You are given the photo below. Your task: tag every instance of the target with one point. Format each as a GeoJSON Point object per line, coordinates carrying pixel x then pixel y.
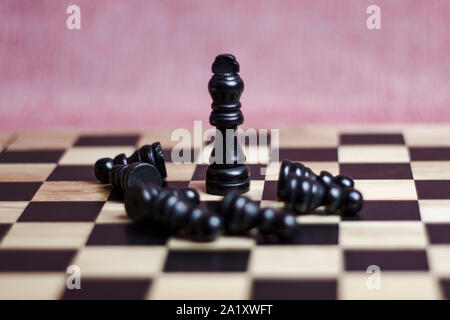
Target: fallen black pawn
{"type": "Point", "coordinates": [174, 210]}
{"type": "Point", "coordinates": [151, 154]}
{"type": "Point", "coordinates": [288, 168]}
{"type": "Point", "coordinates": [241, 214]}
{"type": "Point", "coordinates": [304, 194]}
{"type": "Point", "coordinates": [123, 176]}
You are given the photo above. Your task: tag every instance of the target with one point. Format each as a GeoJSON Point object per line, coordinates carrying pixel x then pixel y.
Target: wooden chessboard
{"type": "Point", "coordinates": [54, 214]}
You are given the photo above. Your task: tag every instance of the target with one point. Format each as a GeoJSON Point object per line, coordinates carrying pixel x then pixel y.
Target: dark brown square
{"type": "Point", "coordinates": [429, 154]}
{"type": "Point", "coordinates": [106, 140]}
{"type": "Point", "coordinates": [35, 260]}
{"type": "Point", "coordinates": [190, 158]}
{"type": "Point", "coordinates": [200, 172]}
{"type": "Point", "coordinates": [387, 260]}
{"type": "Point", "coordinates": [3, 230]}
{"type": "Point", "coordinates": [378, 210]}
{"type": "Point", "coordinates": [31, 156]}
{"type": "Point", "coordinates": [313, 154]}
{"type": "Point", "coordinates": [64, 211]}
{"type": "Point", "coordinates": [109, 289]}
{"type": "Point", "coordinates": [72, 173]}
{"type": "Point", "coordinates": [371, 138]}
{"type": "Point", "coordinates": [126, 234]}
{"type": "Point", "coordinates": [207, 261]}
{"type": "Point", "coordinates": [270, 191]}
{"type": "Point", "coordinates": [376, 170]}
{"type": "Point", "coordinates": [18, 191]}
{"type": "Point", "coordinates": [433, 189]}
{"type": "Point", "coordinates": [306, 234]}
{"type": "Point", "coordinates": [294, 289]}
{"type": "Point", "coordinates": [439, 233]}
{"type": "Point", "coordinates": [177, 184]}
{"type": "Point", "coordinates": [445, 285]}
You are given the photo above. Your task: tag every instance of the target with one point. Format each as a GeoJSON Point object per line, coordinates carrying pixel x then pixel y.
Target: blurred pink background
{"type": "Point", "coordinates": [146, 64]}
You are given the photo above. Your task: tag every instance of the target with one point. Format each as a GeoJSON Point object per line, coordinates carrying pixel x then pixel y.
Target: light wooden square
{"type": "Point", "coordinates": [121, 261]}
{"type": "Point", "coordinates": [428, 136]}
{"type": "Point", "coordinates": [179, 172]}
{"type": "Point", "coordinates": [32, 286]}
{"type": "Point", "coordinates": [44, 140]}
{"type": "Point", "coordinates": [26, 171]}
{"type": "Point", "coordinates": [298, 261]}
{"type": "Point", "coordinates": [374, 234]}
{"type": "Point", "coordinates": [435, 210]}
{"type": "Point", "coordinates": [113, 212]}
{"type": "Point", "coordinates": [47, 235]}
{"type": "Point", "coordinates": [72, 191]}
{"type": "Point", "coordinates": [387, 189]}
{"type": "Point", "coordinates": [394, 285]}
{"type": "Point", "coordinates": [10, 211]}
{"type": "Point", "coordinates": [195, 286]}
{"type": "Point", "coordinates": [89, 155]}
{"type": "Point", "coordinates": [272, 204]}
{"type": "Point", "coordinates": [373, 154]}
{"type": "Point", "coordinates": [431, 170]}
{"type": "Point", "coordinates": [439, 259]}
{"type": "Point", "coordinates": [318, 219]}
{"type": "Point", "coordinates": [308, 138]}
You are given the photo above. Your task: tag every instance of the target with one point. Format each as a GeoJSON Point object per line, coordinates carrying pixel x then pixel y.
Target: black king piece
{"type": "Point", "coordinates": [227, 170]}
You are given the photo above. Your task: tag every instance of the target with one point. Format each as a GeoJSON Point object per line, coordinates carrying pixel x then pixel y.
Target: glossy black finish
{"type": "Point", "coordinates": [241, 214]}
{"type": "Point", "coordinates": [123, 176]}
{"type": "Point", "coordinates": [173, 210]}
{"type": "Point", "coordinates": [229, 171]}
{"type": "Point", "coordinates": [304, 194]}
{"type": "Point", "coordinates": [298, 169]}
{"type": "Point", "coordinates": [151, 154]}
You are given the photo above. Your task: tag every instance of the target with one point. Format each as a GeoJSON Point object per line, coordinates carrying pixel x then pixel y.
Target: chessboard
{"type": "Point", "coordinates": [54, 214]}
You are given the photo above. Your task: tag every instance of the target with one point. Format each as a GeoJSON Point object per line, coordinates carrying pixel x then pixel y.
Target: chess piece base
{"type": "Point", "coordinates": [221, 179]}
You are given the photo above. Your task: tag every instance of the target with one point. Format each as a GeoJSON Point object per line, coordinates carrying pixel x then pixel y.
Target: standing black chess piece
{"type": "Point", "coordinates": [241, 214]}
{"type": "Point", "coordinates": [148, 153]}
{"type": "Point", "coordinates": [304, 194]}
{"type": "Point", "coordinates": [173, 210]}
{"type": "Point", "coordinates": [227, 170]}
{"type": "Point", "coordinates": [123, 176]}
{"type": "Point", "coordinates": [288, 168]}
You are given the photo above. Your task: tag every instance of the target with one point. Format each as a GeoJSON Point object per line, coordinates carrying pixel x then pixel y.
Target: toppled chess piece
{"type": "Point", "coordinates": [174, 210]}
{"type": "Point", "coordinates": [288, 168]}
{"type": "Point", "coordinates": [241, 214]}
{"type": "Point", "coordinates": [305, 194]}
{"type": "Point", "coordinates": [123, 176]}
{"type": "Point", "coordinates": [151, 154]}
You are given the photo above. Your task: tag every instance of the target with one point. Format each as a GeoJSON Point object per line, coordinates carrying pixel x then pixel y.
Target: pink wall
{"type": "Point", "coordinates": [147, 63]}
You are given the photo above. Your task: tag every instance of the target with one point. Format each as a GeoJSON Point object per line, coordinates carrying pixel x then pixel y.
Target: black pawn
{"type": "Point", "coordinates": [175, 211]}
{"type": "Point", "coordinates": [241, 214]}
{"type": "Point", "coordinates": [227, 170]}
{"type": "Point", "coordinates": [123, 176]}
{"type": "Point", "coordinates": [151, 154]}
{"type": "Point", "coordinates": [289, 168]}
{"type": "Point", "coordinates": [304, 194]}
